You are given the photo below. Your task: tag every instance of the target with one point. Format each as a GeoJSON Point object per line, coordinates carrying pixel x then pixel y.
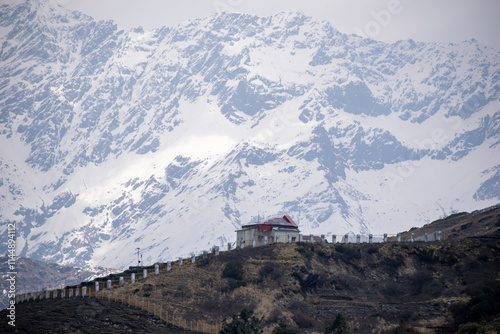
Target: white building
{"type": "Point", "coordinates": [271, 231]}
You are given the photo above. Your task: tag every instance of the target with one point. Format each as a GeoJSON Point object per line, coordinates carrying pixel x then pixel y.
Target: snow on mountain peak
{"type": "Point", "coordinates": [172, 138]}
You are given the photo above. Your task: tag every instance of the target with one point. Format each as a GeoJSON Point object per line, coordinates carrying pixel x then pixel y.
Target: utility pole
{"type": "Point", "coordinates": [138, 261]}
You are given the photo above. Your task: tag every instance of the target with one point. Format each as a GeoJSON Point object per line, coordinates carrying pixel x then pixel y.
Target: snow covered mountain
{"type": "Point", "coordinates": [170, 139]}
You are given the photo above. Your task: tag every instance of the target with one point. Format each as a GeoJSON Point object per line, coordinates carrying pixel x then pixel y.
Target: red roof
{"type": "Point", "coordinates": [285, 222]}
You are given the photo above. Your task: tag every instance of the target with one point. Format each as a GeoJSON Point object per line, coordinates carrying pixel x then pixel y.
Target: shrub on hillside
{"type": "Point", "coordinates": [234, 270]}
{"type": "Point", "coordinates": [244, 323]}
{"type": "Point", "coordinates": [338, 326]}
{"type": "Point", "coordinates": [284, 329]}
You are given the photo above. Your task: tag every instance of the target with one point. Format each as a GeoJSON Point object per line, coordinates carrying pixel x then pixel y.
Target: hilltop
{"type": "Point", "coordinates": [379, 288]}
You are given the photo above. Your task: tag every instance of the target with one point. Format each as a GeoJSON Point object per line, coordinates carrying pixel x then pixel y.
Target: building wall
{"type": "Point", "coordinates": [253, 233]}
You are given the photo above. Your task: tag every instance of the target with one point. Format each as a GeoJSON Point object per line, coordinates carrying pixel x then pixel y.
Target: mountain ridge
{"type": "Point", "coordinates": [172, 138]}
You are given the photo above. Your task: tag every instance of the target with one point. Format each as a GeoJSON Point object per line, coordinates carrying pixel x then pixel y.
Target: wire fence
{"type": "Point", "coordinates": [145, 304]}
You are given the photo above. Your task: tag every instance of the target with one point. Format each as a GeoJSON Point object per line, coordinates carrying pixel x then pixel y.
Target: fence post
{"type": "Point", "coordinates": [216, 248]}
{"type": "Point", "coordinates": [265, 240]}
{"type": "Point", "coordinates": [120, 282]}
{"type": "Point", "coordinates": [157, 269]}
{"type": "Point", "coordinates": [96, 287]}
{"type": "Point", "coordinates": [193, 258]}
{"type": "Point", "coordinates": [132, 278]}
{"type": "Point", "coordinates": [228, 246]}
{"type": "Point", "coordinates": [426, 237]}
{"type": "Point", "coordinates": [334, 238]}
{"type": "Point", "coordinates": [412, 237]}
{"type": "Point", "coordinates": [109, 284]}
{"type": "Point", "coordinates": [439, 235]}
{"type": "Point", "coordinates": [385, 237]}
{"type": "Point", "coordinates": [169, 266]}
{"type": "Point", "coordinates": [398, 237]}
{"type": "Point", "coordinates": [311, 238]}
{"type": "Point", "coordinates": [144, 273]}
{"type": "Point", "coordinates": [370, 238]}
{"type": "Point", "coordinates": [358, 238]}
{"type": "Point", "coordinates": [180, 262]}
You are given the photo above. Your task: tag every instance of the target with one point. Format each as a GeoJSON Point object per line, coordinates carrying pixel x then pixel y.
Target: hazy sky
{"type": "Point", "coordinates": [386, 20]}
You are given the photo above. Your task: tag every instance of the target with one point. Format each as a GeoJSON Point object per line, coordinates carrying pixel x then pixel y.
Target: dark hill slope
{"type": "Point", "coordinates": [480, 223]}
{"type": "Point", "coordinates": [77, 315]}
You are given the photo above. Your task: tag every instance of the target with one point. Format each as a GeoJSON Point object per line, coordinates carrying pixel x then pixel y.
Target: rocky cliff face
{"type": "Point", "coordinates": [170, 139]}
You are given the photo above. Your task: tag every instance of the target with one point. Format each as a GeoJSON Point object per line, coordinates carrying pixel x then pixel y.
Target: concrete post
{"type": "Point", "coordinates": [289, 238]}
{"type": "Point", "coordinates": [398, 237]}
{"type": "Point", "coordinates": [97, 286]}
{"type": "Point", "coordinates": [412, 237]}
{"type": "Point", "coordinates": [180, 262]}
{"type": "Point", "coordinates": [54, 294]}
{"type": "Point", "coordinates": [334, 238]}
{"type": "Point", "coordinates": [426, 237]}
{"type": "Point", "coordinates": [77, 292]}
{"type": "Point", "coordinates": [70, 293]}
{"type": "Point", "coordinates": [22, 298]}
{"type": "Point", "coordinates": [358, 238]}
{"type": "Point", "coordinates": [40, 296]}
{"type": "Point", "coordinates": [169, 265]}
{"type": "Point", "coordinates": [84, 291]}
{"type": "Point", "coordinates": [385, 237]}
{"type": "Point", "coordinates": [323, 238]}
{"type": "Point", "coordinates": [254, 243]}
{"type": "Point", "coordinates": [311, 238]}
{"type": "Point", "coordinates": [63, 293]}
{"type": "Point", "coordinates": [346, 238]}
{"type": "Point", "coordinates": [370, 238]}
{"type": "Point", "coordinates": [265, 240]}
{"type": "Point", "coordinates": [277, 239]}
{"type": "Point", "coordinates": [228, 246]}
{"type": "Point", "coordinates": [120, 282]}
{"type": "Point", "coordinates": [205, 254]}
{"type": "Point", "coordinates": [216, 249]}
{"type": "Point", "coordinates": [144, 273]}
{"type": "Point", "coordinates": [193, 258]}
{"type": "Point", "coordinates": [109, 284]}
{"type": "Point", "coordinates": [439, 235]}
{"type": "Point", "coordinates": [157, 269]}
{"type": "Point", "coordinates": [132, 277]}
